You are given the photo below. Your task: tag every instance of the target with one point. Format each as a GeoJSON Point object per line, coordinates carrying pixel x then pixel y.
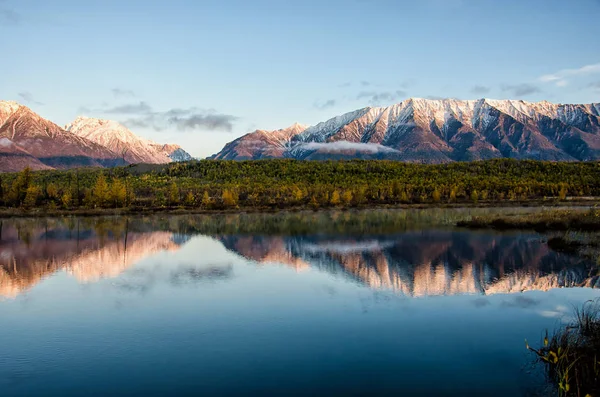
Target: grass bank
{"type": "Point", "coordinates": [545, 221]}
{"type": "Point", "coordinates": [571, 356]}
{"type": "Point", "coordinates": [49, 211]}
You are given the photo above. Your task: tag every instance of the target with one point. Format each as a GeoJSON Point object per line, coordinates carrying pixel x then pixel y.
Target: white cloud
{"type": "Point", "coordinates": [340, 146]}
{"type": "Point", "coordinates": [560, 78]}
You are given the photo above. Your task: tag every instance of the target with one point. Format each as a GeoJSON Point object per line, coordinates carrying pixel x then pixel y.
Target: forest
{"type": "Point", "coordinates": [286, 184]}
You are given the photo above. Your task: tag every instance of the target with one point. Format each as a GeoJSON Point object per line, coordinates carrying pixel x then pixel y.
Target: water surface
{"type": "Point", "coordinates": [369, 303]}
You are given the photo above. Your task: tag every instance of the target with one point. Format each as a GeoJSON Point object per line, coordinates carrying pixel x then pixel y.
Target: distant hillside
{"type": "Point", "coordinates": [436, 131]}
{"type": "Point", "coordinates": [27, 139]}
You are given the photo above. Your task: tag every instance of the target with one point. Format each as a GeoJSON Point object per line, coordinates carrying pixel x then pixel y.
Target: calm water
{"type": "Point", "coordinates": [378, 303]}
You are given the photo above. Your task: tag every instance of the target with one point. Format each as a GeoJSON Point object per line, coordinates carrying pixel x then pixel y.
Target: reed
{"type": "Point", "coordinates": [571, 356]}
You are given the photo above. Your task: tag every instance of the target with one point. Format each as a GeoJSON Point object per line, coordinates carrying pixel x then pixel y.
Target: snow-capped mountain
{"type": "Point", "coordinates": [261, 144]}
{"type": "Point", "coordinates": [42, 144]}
{"type": "Point", "coordinates": [174, 152]}
{"type": "Point", "coordinates": [438, 131]}
{"type": "Point", "coordinates": [27, 139]}
{"type": "Point", "coordinates": [122, 141]}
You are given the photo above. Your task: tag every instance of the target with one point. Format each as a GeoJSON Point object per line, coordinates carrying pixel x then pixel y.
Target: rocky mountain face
{"type": "Point", "coordinates": [261, 144]}
{"type": "Point", "coordinates": [174, 152]}
{"type": "Point", "coordinates": [45, 141]}
{"type": "Point", "coordinates": [437, 131]}
{"type": "Point", "coordinates": [125, 143]}
{"type": "Point", "coordinates": [27, 139]}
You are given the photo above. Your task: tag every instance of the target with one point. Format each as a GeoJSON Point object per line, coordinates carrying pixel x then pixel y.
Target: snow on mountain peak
{"type": "Point", "coordinates": [438, 130]}
{"type": "Point", "coordinates": [7, 108]}
{"type": "Point", "coordinates": [121, 140]}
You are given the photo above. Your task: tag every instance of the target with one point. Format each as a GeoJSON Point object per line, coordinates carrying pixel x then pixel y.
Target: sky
{"type": "Point", "coordinates": [201, 73]}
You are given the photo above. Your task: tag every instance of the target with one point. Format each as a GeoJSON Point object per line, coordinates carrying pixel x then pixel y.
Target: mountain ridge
{"type": "Point", "coordinates": [439, 131]}
{"type": "Point", "coordinates": [123, 141]}
{"type": "Point", "coordinates": [28, 139]}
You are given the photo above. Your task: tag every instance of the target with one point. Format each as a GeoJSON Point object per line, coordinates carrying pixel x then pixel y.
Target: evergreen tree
{"type": "Point", "coordinates": [19, 187]}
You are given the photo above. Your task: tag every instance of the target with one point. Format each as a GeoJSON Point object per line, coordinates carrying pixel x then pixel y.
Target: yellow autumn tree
{"type": "Point", "coordinates": [52, 191]}
{"type": "Point", "coordinates": [206, 200]}
{"type": "Point", "coordinates": [190, 200]}
{"type": "Point", "coordinates": [347, 197]}
{"type": "Point", "coordinates": [436, 196]}
{"type": "Point", "coordinates": [335, 198]}
{"type": "Point", "coordinates": [173, 194]}
{"type": "Point", "coordinates": [297, 193]}
{"type": "Point", "coordinates": [229, 198]}
{"type": "Point", "coordinates": [118, 193]}
{"type": "Point", "coordinates": [31, 196]}
{"type": "Point", "coordinates": [66, 199]}
{"type": "Point", "coordinates": [100, 192]}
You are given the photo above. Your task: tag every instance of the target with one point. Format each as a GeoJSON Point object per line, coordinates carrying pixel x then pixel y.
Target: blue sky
{"type": "Point", "coordinates": [201, 73]}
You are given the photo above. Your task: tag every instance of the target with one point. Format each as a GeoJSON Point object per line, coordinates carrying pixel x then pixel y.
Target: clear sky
{"type": "Point", "coordinates": [201, 73]}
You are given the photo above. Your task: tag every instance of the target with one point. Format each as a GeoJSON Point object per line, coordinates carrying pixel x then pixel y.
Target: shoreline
{"type": "Point", "coordinates": [8, 213]}
{"type": "Point", "coordinates": [555, 220]}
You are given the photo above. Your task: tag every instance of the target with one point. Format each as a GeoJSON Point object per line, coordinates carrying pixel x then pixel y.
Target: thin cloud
{"type": "Point", "coordinates": [435, 97]}
{"type": "Point", "coordinates": [595, 85]}
{"type": "Point", "coordinates": [28, 97]}
{"type": "Point", "coordinates": [480, 90]}
{"type": "Point", "coordinates": [131, 108]}
{"type": "Point", "coordinates": [520, 90]}
{"type": "Point", "coordinates": [142, 115]}
{"type": "Point", "coordinates": [561, 77]}
{"type": "Point", "coordinates": [325, 105]}
{"type": "Point", "coordinates": [122, 93]}
{"type": "Point", "coordinates": [379, 97]}
{"type": "Point", "coordinates": [203, 121]}
{"type": "Point", "coordinates": [8, 14]}
{"type": "Point", "coordinates": [365, 83]}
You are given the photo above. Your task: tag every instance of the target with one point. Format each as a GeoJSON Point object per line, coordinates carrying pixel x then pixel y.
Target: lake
{"type": "Point", "coordinates": [342, 303]}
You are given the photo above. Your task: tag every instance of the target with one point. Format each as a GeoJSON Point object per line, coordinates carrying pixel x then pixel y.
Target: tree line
{"type": "Point", "coordinates": [215, 185]}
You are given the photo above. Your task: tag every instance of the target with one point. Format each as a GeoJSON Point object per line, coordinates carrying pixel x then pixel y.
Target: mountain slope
{"type": "Point", "coordinates": [14, 158]}
{"type": "Point", "coordinates": [122, 141]}
{"type": "Point", "coordinates": [47, 142]}
{"type": "Point", "coordinates": [438, 131]}
{"type": "Point", "coordinates": [119, 139]}
{"type": "Point", "coordinates": [174, 152]}
{"type": "Point", "coordinates": [260, 144]}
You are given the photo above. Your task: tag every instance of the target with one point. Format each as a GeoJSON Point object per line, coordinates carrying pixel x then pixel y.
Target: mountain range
{"type": "Point", "coordinates": [436, 131]}
{"type": "Point", "coordinates": [27, 139]}
{"type": "Point", "coordinates": [415, 130]}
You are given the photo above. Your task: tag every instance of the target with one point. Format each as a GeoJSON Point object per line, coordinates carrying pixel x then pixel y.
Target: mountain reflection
{"type": "Point", "coordinates": [413, 263]}
{"type": "Point", "coordinates": [31, 251]}
{"type": "Point", "coordinates": [427, 263]}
